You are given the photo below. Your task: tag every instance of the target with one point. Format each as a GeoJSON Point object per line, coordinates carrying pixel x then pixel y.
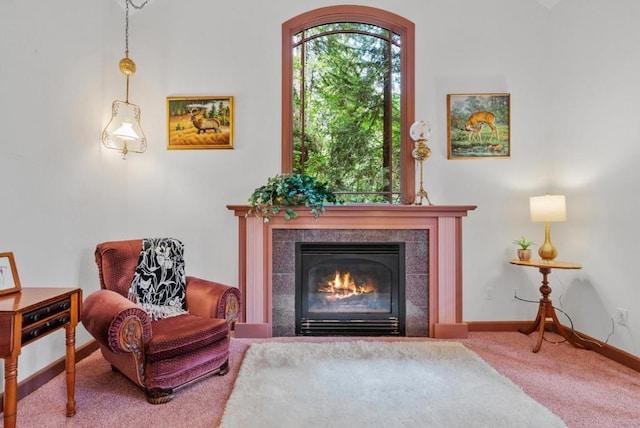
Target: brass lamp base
{"type": "Point", "coordinates": [421, 152]}
{"type": "Point", "coordinates": [422, 194]}
{"type": "Point", "coordinates": [547, 251]}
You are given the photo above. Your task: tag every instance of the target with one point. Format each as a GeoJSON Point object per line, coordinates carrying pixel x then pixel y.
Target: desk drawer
{"type": "Point", "coordinates": [45, 312]}
{"type": "Point", "coordinates": [38, 330]}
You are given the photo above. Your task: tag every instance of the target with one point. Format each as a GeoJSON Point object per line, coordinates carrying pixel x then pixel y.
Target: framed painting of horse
{"type": "Point", "coordinates": [478, 126]}
{"type": "Point", "coordinates": [200, 122]}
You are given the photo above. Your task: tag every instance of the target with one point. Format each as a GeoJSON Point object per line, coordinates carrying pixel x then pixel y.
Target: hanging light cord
{"type": "Point", "coordinates": [126, 30]}
{"type": "Point", "coordinates": [127, 66]}
{"type": "Point", "coordinates": [136, 6]}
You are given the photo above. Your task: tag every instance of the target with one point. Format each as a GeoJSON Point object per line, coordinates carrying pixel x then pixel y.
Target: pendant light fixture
{"type": "Point", "coordinates": [123, 132]}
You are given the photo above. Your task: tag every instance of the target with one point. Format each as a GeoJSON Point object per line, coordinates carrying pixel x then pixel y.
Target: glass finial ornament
{"type": "Point", "coordinates": [124, 132]}
{"type": "Point", "coordinates": [420, 132]}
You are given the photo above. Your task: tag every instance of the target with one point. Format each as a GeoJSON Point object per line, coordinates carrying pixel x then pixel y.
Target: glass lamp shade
{"type": "Point", "coordinates": [126, 132]}
{"type": "Point", "coordinates": [123, 132]}
{"type": "Point", "coordinates": [420, 130]}
{"type": "Point", "coordinates": [548, 208]}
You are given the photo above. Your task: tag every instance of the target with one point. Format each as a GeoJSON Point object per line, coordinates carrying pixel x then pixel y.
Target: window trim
{"type": "Point", "coordinates": [366, 15]}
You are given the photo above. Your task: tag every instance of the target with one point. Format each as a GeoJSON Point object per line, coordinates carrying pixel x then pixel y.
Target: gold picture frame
{"type": "Point", "coordinates": [478, 126]}
{"type": "Point", "coordinates": [200, 122]}
{"type": "Point", "coordinates": [9, 280]}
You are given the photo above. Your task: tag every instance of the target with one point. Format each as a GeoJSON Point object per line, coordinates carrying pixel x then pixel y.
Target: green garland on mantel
{"type": "Point", "coordinates": [290, 190]}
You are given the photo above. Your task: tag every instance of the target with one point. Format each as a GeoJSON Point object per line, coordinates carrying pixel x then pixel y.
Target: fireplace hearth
{"type": "Point", "coordinates": [350, 288]}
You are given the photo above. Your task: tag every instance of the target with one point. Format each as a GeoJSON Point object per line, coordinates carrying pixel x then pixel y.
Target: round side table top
{"type": "Point", "coordinates": [553, 264]}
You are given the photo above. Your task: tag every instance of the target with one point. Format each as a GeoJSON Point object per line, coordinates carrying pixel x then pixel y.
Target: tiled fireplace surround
{"type": "Point", "coordinates": [433, 239]}
{"type": "Point", "coordinates": [284, 281]}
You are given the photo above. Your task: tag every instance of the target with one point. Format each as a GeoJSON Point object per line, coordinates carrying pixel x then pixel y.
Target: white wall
{"type": "Point", "coordinates": [569, 69]}
{"type": "Point", "coordinates": [594, 146]}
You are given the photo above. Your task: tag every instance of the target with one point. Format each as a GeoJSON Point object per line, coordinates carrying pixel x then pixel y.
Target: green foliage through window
{"type": "Point", "coordinates": [346, 109]}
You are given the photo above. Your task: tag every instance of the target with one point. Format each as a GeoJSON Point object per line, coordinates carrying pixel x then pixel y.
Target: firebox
{"type": "Point", "coordinates": [354, 289]}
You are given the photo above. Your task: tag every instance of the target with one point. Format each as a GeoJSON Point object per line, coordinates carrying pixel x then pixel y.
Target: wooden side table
{"type": "Point", "coordinates": [26, 316]}
{"type": "Point", "coordinates": [546, 310]}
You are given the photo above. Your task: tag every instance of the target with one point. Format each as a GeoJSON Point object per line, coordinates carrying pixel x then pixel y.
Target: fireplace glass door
{"type": "Point", "coordinates": [350, 288]}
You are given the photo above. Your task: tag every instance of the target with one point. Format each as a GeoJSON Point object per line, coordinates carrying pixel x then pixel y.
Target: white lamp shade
{"type": "Point", "coordinates": [548, 208]}
{"type": "Point", "coordinates": [124, 130]}
{"type": "Point", "coordinates": [420, 130]}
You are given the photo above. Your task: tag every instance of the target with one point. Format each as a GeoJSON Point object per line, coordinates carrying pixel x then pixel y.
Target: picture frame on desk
{"type": "Point", "coordinates": [9, 280]}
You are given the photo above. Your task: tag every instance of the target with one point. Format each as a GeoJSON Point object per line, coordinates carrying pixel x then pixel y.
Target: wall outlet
{"type": "Point", "coordinates": [489, 295]}
{"type": "Point", "coordinates": [622, 316]}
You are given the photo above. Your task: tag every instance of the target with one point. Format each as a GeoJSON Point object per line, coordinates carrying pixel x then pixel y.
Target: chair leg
{"type": "Point", "coordinates": [224, 368]}
{"type": "Point", "coordinates": [159, 395]}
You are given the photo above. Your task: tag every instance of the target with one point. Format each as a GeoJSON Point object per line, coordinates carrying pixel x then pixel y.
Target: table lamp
{"type": "Point", "coordinates": [547, 209]}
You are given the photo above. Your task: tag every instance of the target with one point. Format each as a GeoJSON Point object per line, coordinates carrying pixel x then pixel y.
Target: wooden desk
{"type": "Point", "coordinates": [546, 310]}
{"type": "Point", "coordinates": [25, 317]}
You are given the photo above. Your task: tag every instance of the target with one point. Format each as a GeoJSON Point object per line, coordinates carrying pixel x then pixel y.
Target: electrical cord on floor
{"type": "Point", "coordinates": [573, 331]}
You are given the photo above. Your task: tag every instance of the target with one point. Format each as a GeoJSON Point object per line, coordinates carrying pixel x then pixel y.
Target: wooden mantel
{"type": "Point", "coordinates": [444, 225]}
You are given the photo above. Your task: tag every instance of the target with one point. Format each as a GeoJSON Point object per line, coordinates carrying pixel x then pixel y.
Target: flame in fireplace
{"type": "Point", "coordinates": [343, 286]}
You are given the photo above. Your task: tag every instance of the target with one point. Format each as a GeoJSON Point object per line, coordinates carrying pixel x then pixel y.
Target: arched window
{"type": "Point", "coordinates": [348, 101]}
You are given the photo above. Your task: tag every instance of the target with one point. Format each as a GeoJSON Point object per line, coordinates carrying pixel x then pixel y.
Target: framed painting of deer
{"type": "Point", "coordinates": [478, 126]}
{"type": "Point", "coordinates": [200, 122]}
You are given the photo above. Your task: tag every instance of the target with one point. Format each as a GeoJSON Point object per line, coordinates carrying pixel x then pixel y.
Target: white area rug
{"type": "Point", "coordinates": [376, 384]}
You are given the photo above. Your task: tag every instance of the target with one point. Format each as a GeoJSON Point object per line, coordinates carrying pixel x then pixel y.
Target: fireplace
{"type": "Point", "coordinates": [441, 286]}
{"type": "Point", "coordinates": [350, 288]}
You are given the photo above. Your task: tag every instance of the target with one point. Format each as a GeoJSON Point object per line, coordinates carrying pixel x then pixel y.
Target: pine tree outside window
{"type": "Point", "coordinates": [348, 102]}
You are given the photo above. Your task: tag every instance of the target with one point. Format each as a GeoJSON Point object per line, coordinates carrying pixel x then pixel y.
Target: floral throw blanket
{"type": "Point", "coordinates": [158, 284]}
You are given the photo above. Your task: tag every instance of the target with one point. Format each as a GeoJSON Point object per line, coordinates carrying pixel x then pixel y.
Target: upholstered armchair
{"type": "Point", "coordinates": [159, 351]}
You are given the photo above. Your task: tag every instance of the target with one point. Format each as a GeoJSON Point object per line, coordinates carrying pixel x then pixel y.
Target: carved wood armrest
{"type": "Point", "coordinates": [105, 312]}
{"type": "Point", "coordinates": [232, 310]}
{"type": "Point", "coordinates": [212, 299]}
{"type": "Point", "coordinates": [131, 339]}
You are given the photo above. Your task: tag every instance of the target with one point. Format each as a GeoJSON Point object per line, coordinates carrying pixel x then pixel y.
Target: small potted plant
{"type": "Point", "coordinates": [524, 253]}
{"type": "Point", "coordinates": [290, 190]}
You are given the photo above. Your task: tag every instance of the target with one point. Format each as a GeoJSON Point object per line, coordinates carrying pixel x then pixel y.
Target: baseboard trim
{"type": "Point", "coordinates": [497, 325]}
{"type": "Point", "coordinates": [593, 344]}
{"type": "Point", "coordinates": [43, 376]}
{"type": "Point", "coordinates": [252, 330]}
{"type": "Point", "coordinates": [450, 331]}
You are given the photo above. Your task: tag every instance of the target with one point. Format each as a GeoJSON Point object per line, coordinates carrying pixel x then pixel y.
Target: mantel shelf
{"type": "Point", "coordinates": [372, 209]}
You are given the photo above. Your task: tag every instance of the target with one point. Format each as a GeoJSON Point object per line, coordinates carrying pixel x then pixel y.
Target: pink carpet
{"type": "Point", "coordinates": [582, 387]}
